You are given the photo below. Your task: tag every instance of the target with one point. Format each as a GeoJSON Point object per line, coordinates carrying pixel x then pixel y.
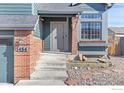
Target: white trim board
{"type": "Point", "coordinates": [119, 35]}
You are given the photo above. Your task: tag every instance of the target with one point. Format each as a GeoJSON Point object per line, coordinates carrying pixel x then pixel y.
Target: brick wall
{"type": "Point", "coordinates": [74, 35]}
{"type": "Point", "coordinates": [24, 61]}
{"type": "Point", "coordinates": [35, 50]}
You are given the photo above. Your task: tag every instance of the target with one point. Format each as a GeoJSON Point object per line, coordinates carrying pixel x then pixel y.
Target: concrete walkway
{"type": "Point", "coordinates": [50, 70]}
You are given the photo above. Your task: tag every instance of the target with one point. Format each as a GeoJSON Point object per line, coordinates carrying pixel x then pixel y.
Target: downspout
{"type": "Point", "coordinates": [78, 32]}
{"type": "Point", "coordinates": [36, 23]}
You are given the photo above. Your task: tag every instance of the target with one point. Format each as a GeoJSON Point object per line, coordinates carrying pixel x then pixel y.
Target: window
{"type": "Point", "coordinates": [91, 30]}
{"type": "Point", "coordinates": [91, 16]}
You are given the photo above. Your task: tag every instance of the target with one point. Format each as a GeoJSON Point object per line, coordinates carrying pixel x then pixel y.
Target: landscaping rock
{"type": "Point", "coordinates": [86, 76]}
{"type": "Point", "coordinates": [80, 57]}
{"type": "Point", "coordinates": [103, 76]}
{"type": "Point", "coordinates": [113, 75]}
{"type": "Point", "coordinates": [71, 82]}
{"type": "Point", "coordinates": [84, 58]}
{"type": "Point", "coordinates": [71, 57]}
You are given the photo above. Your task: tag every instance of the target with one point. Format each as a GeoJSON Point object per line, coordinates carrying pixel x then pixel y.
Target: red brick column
{"type": "Point", "coordinates": [25, 61]}
{"type": "Point", "coordinates": [21, 58]}
{"type": "Point", "coordinates": [35, 50]}
{"type": "Point", "coordinates": [74, 35]}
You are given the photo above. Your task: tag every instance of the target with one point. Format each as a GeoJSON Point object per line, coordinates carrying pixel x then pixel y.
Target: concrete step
{"type": "Point", "coordinates": [50, 75]}
{"type": "Point", "coordinates": [49, 78]}
{"type": "Point", "coordinates": [50, 61]}
{"type": "Point", "coordinates": [43, 65]}
{"type": "Point", "coordinates": [52, 69]}
{"type": "Point", "coordinates": [50, 65]}
{"type": "Point", "coordinates": [6, 84]}
{"type": "Point", "coordinates": [54, 54]}
{"type": "Point", "coordinates": [52, 58]}
{"type": "Point", "coordinates": [39, 82]}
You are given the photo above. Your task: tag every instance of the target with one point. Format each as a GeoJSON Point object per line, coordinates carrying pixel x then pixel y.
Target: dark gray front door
{"type": "Point", "coordinates": [58, 36]}
{"type": "Point", "coordinates": [6, 60]}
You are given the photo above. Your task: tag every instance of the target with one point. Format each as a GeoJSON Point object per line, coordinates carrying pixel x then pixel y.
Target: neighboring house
{"type": "Point", "coordinates": [116, 39]}
{"type": "Point", "coordinates": [28, 29]}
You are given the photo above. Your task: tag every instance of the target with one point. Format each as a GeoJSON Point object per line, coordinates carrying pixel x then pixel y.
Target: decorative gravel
{"type": "Point", "coordinates": [97, 76]}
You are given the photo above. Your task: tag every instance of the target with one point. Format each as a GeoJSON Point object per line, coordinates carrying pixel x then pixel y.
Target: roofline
{"type": "Point", "coordinates": [115, 32]}
{"type": "Point", "coordinates": [16, 28]}
{"type": "Point", "coordinates": [58, 12]}
{"type": "Point", "coordinates": [109, 5]}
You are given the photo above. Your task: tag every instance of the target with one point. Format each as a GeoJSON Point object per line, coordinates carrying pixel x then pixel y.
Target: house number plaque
{"type": "Point", "coordinates": [21, 45]}
{"type": "Point", "coordinates": [21, 49]}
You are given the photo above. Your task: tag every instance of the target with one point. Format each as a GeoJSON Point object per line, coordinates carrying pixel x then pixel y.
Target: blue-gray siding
{"type": "Point", "coordinates": [91, 48]}
{"type": "Point", "coordinates": [38, 30]}
{"type": "Point", "coordinates": [6, 57]}
{"type": "Point", "coordinates": [15, 9]}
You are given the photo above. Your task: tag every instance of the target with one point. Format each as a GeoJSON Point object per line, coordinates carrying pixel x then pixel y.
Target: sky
{"type": "Point", "coordinates": [116, 15]}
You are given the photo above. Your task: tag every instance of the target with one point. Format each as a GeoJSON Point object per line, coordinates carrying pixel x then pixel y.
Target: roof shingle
{"type": "Point", "coordinates": [117, 30]}
{"type": "Point", "coordinates": [17, 21]}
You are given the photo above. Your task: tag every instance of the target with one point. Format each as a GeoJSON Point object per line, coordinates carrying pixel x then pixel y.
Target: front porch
{"type": "Point", "coordinates": [62, 33]}
{"type": "Point", "coordinates": [58, 33]}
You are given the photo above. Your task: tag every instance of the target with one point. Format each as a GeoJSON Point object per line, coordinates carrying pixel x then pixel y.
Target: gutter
{"type": "Point", "coordinates": [109, 5]}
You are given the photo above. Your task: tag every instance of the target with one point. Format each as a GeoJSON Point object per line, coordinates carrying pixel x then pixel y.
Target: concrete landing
{"type": "Point", "coordinates": [40, 82]}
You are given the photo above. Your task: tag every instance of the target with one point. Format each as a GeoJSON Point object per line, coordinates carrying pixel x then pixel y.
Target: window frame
{"type": "Point", "coordinates": [96, 16]}
{"type": "Point", "coordinates": [90, 21]}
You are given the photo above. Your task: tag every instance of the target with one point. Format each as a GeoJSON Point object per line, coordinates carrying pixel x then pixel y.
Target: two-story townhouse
{"type": "Point", "coordinates": [28, 29]}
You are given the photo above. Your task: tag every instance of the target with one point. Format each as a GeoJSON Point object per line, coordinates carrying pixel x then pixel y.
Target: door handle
{"type": "Point", "coordinates": [55, 37]}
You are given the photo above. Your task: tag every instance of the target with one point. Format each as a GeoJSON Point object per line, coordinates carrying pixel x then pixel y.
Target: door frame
{"type": "Point", "coordinates": [67, 43]}
{"type": "Point", "coordinates": [9, 76]}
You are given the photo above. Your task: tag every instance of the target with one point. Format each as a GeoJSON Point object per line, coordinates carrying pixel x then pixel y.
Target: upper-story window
{"type": "Point", "coordinates": [91, 30]}
{"type": "Point", "coordinates": [91, 16]}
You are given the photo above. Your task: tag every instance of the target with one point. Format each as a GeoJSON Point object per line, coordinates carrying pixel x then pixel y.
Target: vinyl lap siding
{"type": "Point", "coordinates": [46, 35]}
{"type": "Point", "coordinates": [35, 8]}
{"type": "Point", "coordinates": [38, 30]}
{"type": "Point", "coordinates": [15, 9]}
{"type": "Point", "coordinates": [92, 48]}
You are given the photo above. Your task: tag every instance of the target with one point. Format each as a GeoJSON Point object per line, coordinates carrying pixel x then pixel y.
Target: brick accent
{"type": "Point", "coordinates": [35, 50]}
{"type": "Point", "coordinates": [74, 35]}
{"type": "Point", "coordinates": [24, 62]}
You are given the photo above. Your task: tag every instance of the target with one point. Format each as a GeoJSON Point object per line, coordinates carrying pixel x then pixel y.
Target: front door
{"type": "Point", "coordinates": [6, 60]}
{"type": "Point", "coordinates": [59, 36]}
